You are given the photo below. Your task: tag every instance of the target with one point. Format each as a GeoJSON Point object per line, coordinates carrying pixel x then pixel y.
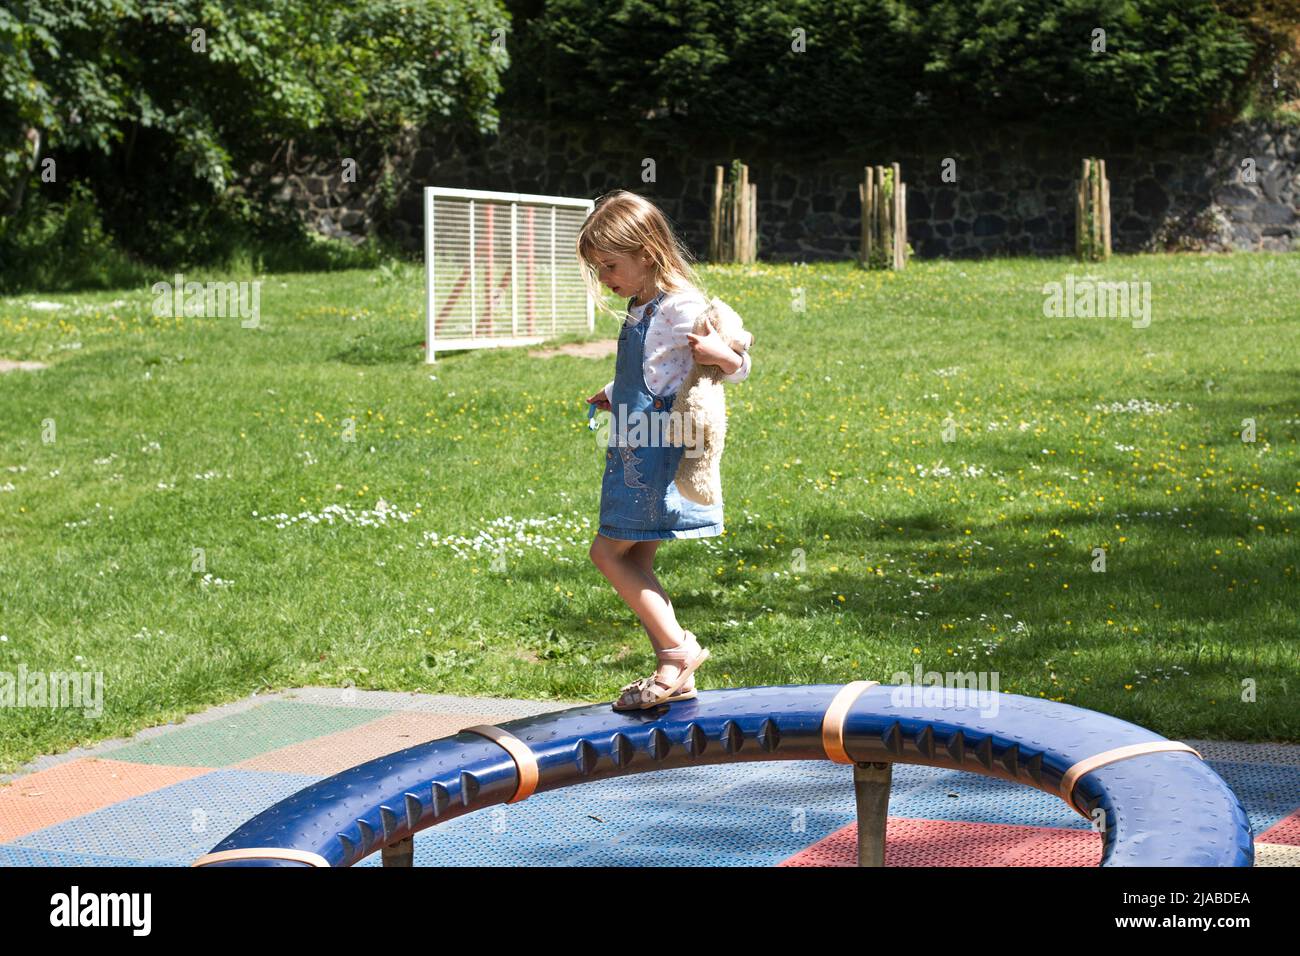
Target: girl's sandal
{"type": "Point", "coordinates": [653, 691]}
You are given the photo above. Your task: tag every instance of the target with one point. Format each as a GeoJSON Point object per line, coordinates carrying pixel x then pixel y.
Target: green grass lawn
{"type": "Point", "coordinates": [859, 542]}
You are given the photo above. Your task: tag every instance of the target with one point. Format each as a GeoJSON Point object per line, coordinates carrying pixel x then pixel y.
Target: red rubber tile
{"type": "Point", "coordinates": [1286, 831]}
{"type": "Point", "coordinates": [910, 842]}
{"type": "Point", "coordinates": [68, 790]}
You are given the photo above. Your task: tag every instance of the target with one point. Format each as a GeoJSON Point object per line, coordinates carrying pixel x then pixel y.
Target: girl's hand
{"type": "Point", "coordinates": [711, 349]}
{"type": "Point", "coordinates": [600, 400]}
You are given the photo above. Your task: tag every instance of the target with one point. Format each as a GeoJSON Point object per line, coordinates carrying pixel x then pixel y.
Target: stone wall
{"type": "Point", "coordinates": [1014, 192]}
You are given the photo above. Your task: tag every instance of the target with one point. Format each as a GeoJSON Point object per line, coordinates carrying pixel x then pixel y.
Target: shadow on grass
{"type": "Point", "coordinates": [1195, 603]}
{"type": "Point", "coordinates": [382, 348]}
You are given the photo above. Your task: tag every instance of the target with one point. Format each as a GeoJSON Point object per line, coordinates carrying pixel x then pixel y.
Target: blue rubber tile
{"type": "Point", "coordinates": [182, 821]}
{"type": "Point", "coordinates": [1268, 792]}
{"type": "Point", "coordinates": [682, 783]}
{"type": "Point", "coordinates": [431, 850]}
{"type": "Point", "coordinates": [556, 817]}
{"type": "Point", "coordinates": [817, 783]}
{"type": "Point", "coordinates": [794, 783]}
{"type": "Point", "coordinates": [537, 832]}
{"type": "Point", "coordinates": [645, 856]}
{"type": "Point", "coordinates": [570, 818]}
{"type": "Point", "coordinates": [436, 853]}
{"type": "Point", "coordinates": [563, 832]}
{"type": "Point", "coordinates": [777, 832]}
{"type": "Point", "coordinates": [24, 856]}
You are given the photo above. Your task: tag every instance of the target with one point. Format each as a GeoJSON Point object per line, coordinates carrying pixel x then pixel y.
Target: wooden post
{"type": "Point", "coordinates": [1092, 212]}
{"type": "Point", "coordinates": [1094, 218]}
{"type": "Point", "coordinates": [1105, 212]}
{"type": "Point", "coordinates": [862, 231]}
{"type": "Point", "coordinates": [753, 222]}
{"type": "Point", "coordinates": [732, 219]}
{"type": "Point", "coordinates": [715, 246]}
{"type": "Point", "coordinates": [742, 219]}
{"type": "Point", "coordinates": [895, 213]}
{"type": "Point", "coordinates": [733, 233]}
{"type": "Point", "coordinates": [869, 216]}
{"type": "Point", "coordinates": [1081, 213]}
{"type": "Point", "coordinates": [729, 224]}
{"type": "Point", "coordinates": [900, 243]}
{"type": "Point", "coordinates": [887, 217]}
{"type": "Point", "coordinates": [883, 195]}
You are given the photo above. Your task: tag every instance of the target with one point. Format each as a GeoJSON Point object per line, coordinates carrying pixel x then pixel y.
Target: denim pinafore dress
{"type": "Point", "coordinates": [638, 497]}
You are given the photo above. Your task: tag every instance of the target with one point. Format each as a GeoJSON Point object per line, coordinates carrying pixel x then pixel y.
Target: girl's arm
{"type": "Point", "coordinates": [742, 373]}
{"type": "Point", "coordinates": [668, 354]}
{"type": "Point", "coordinates": [715, 351]}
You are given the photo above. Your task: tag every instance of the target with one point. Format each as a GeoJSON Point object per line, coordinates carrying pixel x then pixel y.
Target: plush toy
{"type": "Point", "coordinates": [701, 425]}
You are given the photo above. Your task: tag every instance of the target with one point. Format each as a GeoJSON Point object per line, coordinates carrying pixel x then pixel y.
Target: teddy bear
{"type": "Point", "coordinates": [699, 416]}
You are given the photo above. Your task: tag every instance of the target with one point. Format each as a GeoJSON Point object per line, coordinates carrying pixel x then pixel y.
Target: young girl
{"type": "Point", "coordinates": [627, 242]}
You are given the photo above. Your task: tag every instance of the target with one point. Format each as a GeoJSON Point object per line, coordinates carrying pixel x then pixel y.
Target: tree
{"type": "Point", "coordinates": [192, 90]}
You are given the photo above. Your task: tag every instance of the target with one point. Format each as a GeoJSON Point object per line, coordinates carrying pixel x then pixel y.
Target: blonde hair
{"type": "Point", "coordinates": [624, 223]}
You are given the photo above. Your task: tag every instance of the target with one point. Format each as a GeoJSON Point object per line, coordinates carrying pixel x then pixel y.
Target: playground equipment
{"type": "Point", "coordinates": [486, 251]}
{"type": "Point", "coordinates": [1155, 801]}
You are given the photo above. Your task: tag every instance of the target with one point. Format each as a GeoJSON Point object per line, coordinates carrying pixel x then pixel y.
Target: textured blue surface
{"type": "Point", "coordinates": [1161, 809]}
{"type": "Point", "coordinates": [560, 835]}
{"type": "Point", "coordinates": [161, 825]}
{"type": "Point", "coordinates": [11, 855]}
{"type": "Point", "coordinates": [1269, 792]}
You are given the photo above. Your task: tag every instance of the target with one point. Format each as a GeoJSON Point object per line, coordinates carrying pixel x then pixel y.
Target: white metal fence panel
{"type": "Point", "coordinates": [501, 268]}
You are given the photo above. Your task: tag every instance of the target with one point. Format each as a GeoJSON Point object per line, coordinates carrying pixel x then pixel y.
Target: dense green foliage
{"type": "Point", "coordinates": [160, 106]}
{"type": "Point", "coordinates": [729, 66]}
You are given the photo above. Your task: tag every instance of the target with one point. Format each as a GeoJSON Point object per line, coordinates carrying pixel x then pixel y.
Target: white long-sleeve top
{"type": "Point", "coordinates": [668, 358]}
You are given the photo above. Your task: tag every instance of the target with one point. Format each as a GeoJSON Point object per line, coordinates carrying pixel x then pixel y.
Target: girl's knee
{"type": "Point", "coordinates": [601, 551]}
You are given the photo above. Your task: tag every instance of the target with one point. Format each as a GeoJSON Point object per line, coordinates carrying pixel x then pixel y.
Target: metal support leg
{"type": "Point", "coordinates": [401, 853]}
{"type": "Point", "coordinates": [871, 793]}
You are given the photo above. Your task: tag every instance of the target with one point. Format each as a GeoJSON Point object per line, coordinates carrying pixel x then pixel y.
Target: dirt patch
{"type": "Point", "coordinates": [8, 365]}
{"type": "Point", "coordinates": [602, 348]}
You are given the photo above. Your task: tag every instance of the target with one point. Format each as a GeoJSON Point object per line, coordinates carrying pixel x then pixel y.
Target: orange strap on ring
{"type": "Point", "coordinates": [263, 853]}
{"type": "Point", "coordinates": [525, 760]}
{"type": "Point", "coordinates": [833, 722]}
{"type": "Point", "coordinates": [1089, 764]}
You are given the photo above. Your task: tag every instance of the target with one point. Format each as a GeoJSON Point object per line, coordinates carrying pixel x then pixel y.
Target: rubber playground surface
{"type": "Point", "coordinates": [168, 795]}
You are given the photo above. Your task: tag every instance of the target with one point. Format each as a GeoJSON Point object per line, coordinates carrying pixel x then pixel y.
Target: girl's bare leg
{"type": "Point", "coordinates": [643, 553]}
{"type": "Point", "coordinates": [629, 566]}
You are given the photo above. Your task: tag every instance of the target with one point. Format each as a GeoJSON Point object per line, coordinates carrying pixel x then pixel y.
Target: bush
{"type": "Point", "coordinates": [61, 246]}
